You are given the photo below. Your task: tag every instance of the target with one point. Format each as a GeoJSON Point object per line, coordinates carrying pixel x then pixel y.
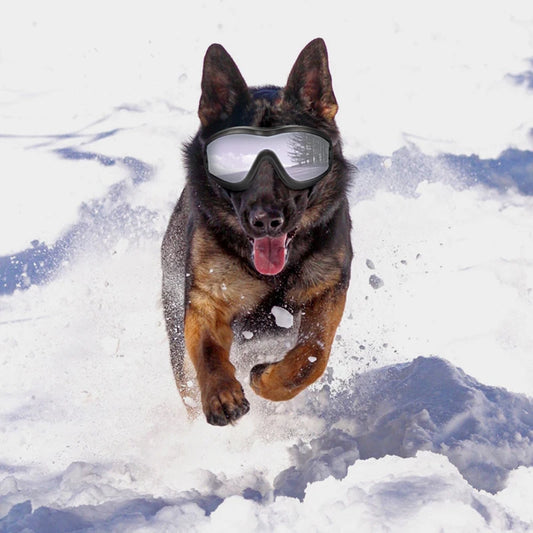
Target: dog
{"type": "Point", "coordinates": [236, 247]}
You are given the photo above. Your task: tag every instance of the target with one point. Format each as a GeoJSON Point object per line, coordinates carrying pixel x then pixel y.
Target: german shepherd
{"type": "Point", "coordinates": [214, 246]}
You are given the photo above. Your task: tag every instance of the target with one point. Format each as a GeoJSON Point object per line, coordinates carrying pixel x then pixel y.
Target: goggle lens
{"type": "Point", "coordinates": [304, 155]}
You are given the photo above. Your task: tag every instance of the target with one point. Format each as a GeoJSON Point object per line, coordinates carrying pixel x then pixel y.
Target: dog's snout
{"type": "Point", "coordinates": [266, 222]}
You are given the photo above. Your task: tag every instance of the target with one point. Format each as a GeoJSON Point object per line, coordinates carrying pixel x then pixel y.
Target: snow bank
{"type": "Point", "coordinates": [384, 496]}
{"type": "Point", "coordinates": [415, 410]}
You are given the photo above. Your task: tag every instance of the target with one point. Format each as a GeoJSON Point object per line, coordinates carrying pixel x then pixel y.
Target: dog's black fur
{"type": "Point", "coordinates": [211, 230]}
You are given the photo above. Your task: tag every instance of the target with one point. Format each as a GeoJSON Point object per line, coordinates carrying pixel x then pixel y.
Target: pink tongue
{"type": "Point", "coordinates": [270, 255]}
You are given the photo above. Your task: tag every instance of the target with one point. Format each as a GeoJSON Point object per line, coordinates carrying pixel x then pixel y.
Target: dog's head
{"type": "Point", "coordinates": [267, 215]}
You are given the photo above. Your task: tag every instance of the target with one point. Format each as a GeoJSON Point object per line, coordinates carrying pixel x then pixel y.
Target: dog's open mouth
{"type": "Point", "coordinates": [270, 253]}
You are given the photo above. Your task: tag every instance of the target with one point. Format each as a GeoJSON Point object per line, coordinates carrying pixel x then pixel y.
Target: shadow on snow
{"type": "Point", "coordinates": [97, 218]}
{"type": "Point", "coordinates": [524, 78]}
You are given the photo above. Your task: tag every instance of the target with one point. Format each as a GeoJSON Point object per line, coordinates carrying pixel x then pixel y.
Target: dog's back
{"type": "Point", "coordinates": [174, 259]}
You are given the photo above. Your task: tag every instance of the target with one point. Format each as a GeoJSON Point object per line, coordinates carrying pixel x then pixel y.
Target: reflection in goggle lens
{"type": "Point", "coordinates": [303, 155]}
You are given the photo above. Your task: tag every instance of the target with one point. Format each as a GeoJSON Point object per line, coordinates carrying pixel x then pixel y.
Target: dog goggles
{"type": "Point", "coordinates": [300, 155]}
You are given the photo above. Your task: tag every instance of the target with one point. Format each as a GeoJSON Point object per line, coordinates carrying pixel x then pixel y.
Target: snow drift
{"type": "Point", "coordinates": [427, 405]}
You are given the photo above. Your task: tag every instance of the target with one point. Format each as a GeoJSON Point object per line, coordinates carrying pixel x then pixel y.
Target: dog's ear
{"type": "Point", "coordinates": [223, 86]}
{"type": "Point", "coordinates": [309, 82]}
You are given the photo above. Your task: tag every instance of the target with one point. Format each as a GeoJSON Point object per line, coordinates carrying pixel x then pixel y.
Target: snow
{"type": "Point", "coordinates": [282, 317]}
{"type": "Point", "coordinates": [424, 418]}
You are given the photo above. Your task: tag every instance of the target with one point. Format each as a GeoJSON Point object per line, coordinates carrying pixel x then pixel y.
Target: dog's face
{"type": "Point", "coordinates": [268, 215]}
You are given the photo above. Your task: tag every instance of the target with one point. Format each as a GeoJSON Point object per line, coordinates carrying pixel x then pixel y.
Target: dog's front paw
{"type": "Point", "coordinates": [224, 402]}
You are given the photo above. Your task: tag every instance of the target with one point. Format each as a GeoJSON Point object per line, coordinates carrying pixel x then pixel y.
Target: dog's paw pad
{"type": "Point", "coordinates": [257, 371]}
{"type": "Point", "coordinates": [255, 377]}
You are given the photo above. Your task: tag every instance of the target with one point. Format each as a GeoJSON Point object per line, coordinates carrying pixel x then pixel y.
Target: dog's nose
{"type": "Point", "coordinates": [266, 222]}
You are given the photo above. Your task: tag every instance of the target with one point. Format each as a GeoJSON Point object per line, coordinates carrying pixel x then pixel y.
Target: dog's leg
{"type": "Point", "coordinates": [208, 337]}
{"type": "Point", "coordinates": [306, 362]}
